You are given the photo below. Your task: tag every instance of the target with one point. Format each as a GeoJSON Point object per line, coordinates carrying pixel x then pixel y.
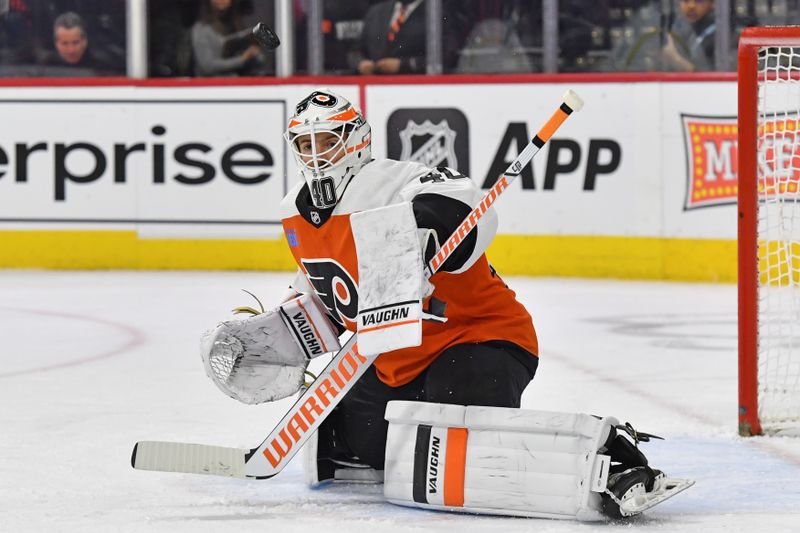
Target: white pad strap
{"type": "Point", "coordinates": [496, 460]}
{"type": "Point", "coordinates": [305, 318]}
{"type": "Point", "coordinates": [390, 278]}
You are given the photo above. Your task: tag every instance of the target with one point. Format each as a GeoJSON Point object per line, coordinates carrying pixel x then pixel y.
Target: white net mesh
{"type": "Point", "coordinates": [779, 239]}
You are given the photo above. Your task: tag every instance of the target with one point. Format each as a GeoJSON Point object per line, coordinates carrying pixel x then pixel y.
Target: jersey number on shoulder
{"type": "Point", "coordinates": [440, 174]}
{"type": "Point", "coordinates": [335, 287]}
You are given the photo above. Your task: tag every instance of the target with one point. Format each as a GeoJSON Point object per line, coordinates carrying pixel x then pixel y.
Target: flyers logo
{"type": "Point", "coordinates": [335, 288]}
{"type": "Point", "coordinates": [319, 99]}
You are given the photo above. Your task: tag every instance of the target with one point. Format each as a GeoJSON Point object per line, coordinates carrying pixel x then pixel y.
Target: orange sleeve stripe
{"type": "Point", "coordinates": [552, 125]}
{"type": "Point", "coordinates": [455, 467]}
{"type": "Point", "coordinates": [404, 322]}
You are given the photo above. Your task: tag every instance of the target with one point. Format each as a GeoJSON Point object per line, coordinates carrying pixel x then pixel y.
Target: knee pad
{"type": "Point", "coordinates": [494, 460]}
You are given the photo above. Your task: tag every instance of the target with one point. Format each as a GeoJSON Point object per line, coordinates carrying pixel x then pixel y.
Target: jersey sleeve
{"type": "Point", "coordinates": [442, 199]}
{"type": "Point", "coordinates": [300, 283]}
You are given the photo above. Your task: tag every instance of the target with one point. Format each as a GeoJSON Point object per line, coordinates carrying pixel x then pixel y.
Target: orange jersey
{"type": "Point", "coordinates": [476, 302]}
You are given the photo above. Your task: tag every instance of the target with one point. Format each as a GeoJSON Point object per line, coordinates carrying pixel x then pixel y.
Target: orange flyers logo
{"type": "Point", "coordinates": [711, 160]}
{"type": "Point", "coordinates": [335, 287]}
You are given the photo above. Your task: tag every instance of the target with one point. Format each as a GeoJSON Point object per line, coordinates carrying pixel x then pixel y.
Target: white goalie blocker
{"type": "Point", "coordinates": [391, 284]}
{"type": "Point", "coordinates": [493, 460]}
{"type": "Point", "coordinates": [264, 357]}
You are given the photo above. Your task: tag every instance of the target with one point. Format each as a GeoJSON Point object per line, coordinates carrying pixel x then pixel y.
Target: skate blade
{"type": "Point", "coordinates": [668, 487]}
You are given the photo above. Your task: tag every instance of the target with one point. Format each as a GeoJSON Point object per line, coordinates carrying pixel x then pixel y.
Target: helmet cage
{"type": "Point", "coordinates": [305, 147]}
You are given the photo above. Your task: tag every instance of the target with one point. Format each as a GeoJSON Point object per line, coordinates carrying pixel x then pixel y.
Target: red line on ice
{"type": "Point", "coordinates": [135, 338]}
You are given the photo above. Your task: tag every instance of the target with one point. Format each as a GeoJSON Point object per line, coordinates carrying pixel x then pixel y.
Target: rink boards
{"type": "Point", "coordinates": [188, 175]}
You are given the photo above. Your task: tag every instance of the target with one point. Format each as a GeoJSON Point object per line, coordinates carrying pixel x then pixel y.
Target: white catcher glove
{"type": "Point", "coordinates": [264, 357]}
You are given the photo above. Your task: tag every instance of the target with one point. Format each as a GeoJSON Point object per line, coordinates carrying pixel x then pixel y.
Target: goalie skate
{"type": "Point", "coordinates": [627, 493]}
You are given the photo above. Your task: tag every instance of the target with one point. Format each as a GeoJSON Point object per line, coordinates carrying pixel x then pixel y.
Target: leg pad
{"type": "Point", "coordinates": [496, 460]}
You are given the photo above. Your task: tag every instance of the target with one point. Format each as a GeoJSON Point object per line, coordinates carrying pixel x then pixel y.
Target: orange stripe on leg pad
{"type": "Point", "coordinates": [455, 467]}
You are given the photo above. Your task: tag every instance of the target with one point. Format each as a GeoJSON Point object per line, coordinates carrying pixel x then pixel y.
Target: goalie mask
{"type": "Point", "coordinates": [331, 142]}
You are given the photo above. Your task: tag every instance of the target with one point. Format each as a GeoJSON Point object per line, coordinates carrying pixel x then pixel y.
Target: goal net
{"type": "Point", "coordinates": [769, 231]}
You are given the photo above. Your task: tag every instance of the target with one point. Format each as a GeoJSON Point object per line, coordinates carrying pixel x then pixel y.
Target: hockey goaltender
{"type": "Point", "coordinates": [437, 416]}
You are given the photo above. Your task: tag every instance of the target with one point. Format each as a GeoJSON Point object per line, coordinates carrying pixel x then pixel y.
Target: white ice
{"type": "Point", "coordinates": [91, 362]}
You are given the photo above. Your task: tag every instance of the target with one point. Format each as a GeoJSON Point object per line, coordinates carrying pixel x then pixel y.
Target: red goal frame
{"type": "Point", "coordinates": [751, 40]}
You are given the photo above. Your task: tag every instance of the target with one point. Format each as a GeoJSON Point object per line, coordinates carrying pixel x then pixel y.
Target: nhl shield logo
{"type": "Point", "coordinates": [428, 143]}
{"type": "Point", "coordinates": [433, 136]}
{"type": "Point", "coordinates": [315, 217]}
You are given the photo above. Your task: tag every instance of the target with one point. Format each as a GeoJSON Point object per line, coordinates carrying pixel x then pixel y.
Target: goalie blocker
{"type": "Point", "coordinates": [518, 462]}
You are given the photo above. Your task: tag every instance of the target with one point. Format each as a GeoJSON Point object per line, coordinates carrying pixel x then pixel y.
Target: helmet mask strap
{"type": "Point", "coordinates": [323, 189]}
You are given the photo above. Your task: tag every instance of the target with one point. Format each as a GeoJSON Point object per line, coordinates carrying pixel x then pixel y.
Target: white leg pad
{"type": "Point", "coordinates": [493, 460]}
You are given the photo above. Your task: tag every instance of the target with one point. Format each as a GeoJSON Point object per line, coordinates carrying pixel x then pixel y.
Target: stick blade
{"type": "Point", "coordinates": [189, 458]}
{"type": "Point", "coordinates": [572, 99]}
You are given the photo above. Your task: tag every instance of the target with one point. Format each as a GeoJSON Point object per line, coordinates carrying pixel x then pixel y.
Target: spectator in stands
{"type": "Point", "coordinates": [73, 55]}
{"type": "Point", "coordinates": [393, 39]}
{"type": "Point", "coordinates": [221, 44]}
{"type": "Point", "coordinates": [661, 43]}
{"type": "Point", "coordinates": [690, 43]}
{"type": "Point", "coordinates": [342, 28]}
{"type": "Point", "coordinates": [169, 35]}
{"type": "Point", "coordinates": [69, 36]}
{"type": "Point", "coordinates": [494, 44]}
{"type": "Point", "coordinates": [16, 44]}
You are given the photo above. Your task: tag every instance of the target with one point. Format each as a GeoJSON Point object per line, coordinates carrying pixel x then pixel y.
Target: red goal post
{"type": "Point", "coordinates": [769, 230]}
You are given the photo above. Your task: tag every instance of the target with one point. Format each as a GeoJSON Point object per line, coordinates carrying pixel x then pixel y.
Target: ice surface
{"type": "Point", "coordinates": [94, 361]}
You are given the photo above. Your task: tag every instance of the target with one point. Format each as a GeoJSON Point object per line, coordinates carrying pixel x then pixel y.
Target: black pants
{"type": "Point", "coordinates": [493, 373]}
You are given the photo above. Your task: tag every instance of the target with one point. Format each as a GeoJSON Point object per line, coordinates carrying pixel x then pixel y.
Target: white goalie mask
{"type": "Point", "coordinates": [330, 141]}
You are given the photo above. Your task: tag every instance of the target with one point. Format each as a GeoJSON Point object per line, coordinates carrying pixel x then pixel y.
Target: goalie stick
{"type": "Point", "coordinates": [322, 396]}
